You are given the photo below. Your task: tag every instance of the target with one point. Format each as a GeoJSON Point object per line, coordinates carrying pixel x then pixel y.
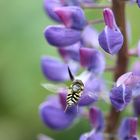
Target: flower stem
{"type": "Point", "coordinates": [118, 7]}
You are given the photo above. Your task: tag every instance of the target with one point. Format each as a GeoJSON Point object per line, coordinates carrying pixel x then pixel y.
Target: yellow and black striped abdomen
{"type": "Point", "coordinates": [74, 92]}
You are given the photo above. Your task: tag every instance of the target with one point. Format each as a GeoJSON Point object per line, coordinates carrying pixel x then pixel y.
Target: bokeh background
{"type": "Point", "coordinates": [21, 45]}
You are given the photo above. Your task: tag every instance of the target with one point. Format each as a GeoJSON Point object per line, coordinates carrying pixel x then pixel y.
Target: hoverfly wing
{"type": "Point", "coordinates": [102, 95]}
{"type": "Point", "coordinates": [53, 88]}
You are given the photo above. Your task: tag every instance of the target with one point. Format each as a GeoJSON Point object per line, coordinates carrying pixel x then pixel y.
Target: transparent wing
{"type": "Point", "coordinates": [54, 87]}
{"type": "Point", "coordinates": [104, 95]}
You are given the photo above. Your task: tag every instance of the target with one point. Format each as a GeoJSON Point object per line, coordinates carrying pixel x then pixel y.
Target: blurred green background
{"type": "Point", "coordinates": [21, 46]}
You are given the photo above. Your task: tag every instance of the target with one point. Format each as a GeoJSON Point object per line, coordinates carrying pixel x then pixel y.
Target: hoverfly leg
{"type": "Point", "coordinates": [66, 108]}
{"type": "Point", "coordinates": [77, 107]}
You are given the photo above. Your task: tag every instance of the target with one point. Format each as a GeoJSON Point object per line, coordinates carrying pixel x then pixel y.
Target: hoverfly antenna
{"type": "Point", "coordinates": [70, 74]}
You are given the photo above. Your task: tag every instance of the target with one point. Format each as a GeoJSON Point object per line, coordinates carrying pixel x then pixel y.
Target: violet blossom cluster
{"type": "Point", "coordinates": [84, 50]}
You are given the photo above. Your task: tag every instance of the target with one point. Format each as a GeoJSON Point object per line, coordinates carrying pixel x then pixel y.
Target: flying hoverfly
{"type": "Point", "coordinates": [74, 91]}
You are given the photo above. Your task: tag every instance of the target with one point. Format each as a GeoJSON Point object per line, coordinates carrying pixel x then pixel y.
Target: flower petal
{"type": "Point", "coordinates": [92, 59]}
{"type": "Point", "coordinates": [90, 37]}
{"type": "Point", "coordinates": [131, 80]}
{"type": "Point", "coordinates": [55, 70]}
{"type": "Point", "coordinates": [111, 40]}
{"type": "Point", "coordinates": [120, 97]}
{"type": "Point", "coordinates": [138, 2]}
{"type": "Point", "coordinates": [96, 119]}
{"type": "Point", "coordinates": [109, 18]}
{"type": "Point", "coordinates": [128, 128]}
{"type": "Point", "coordinates": [70, 52]}
{"type": "Point", "coordinates": [49, 6]}
{"type": "Point", "coordinates": [72, 17]}
{"type": "Point", "coordinates": [53, 115]}
{"type": "Point", "coordinates": [60, 36]}
{"type": "Point", "coordinates": [93, 87]}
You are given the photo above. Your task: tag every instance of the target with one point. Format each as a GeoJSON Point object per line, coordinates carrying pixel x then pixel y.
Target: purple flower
{"type": "Point", "coordinates": [93, 87]}
{"type": "Point", "coordinates": [120, 97]}
{"type": "Point", "coordinates": [128, 129]}
{"type": "Point", "coordinates": [110, 39]}
{"type": "Point", "coordinates": [138, 2]}
{"type": "Point", "coordinates": [136, 105]}
{"type": "Point", "coordinates": [130, 80]}
{"type": "Point", "coordinates": [72, 17]}
{"type": "Point", "coordinates": [70, 52]}
{"type": "Point", "coordinates": [92, 136]}
{"type": "Point", "coordinates": [56, 70]}
{"type": "Point", "coordinates": [92, 59]}
{"type": "Point", "coordinates": [96, 119]}
{"type": "Point", "coordinates": [49, 6]}
{"type": "Point", "coordinates": [53, 115]}
{"type": "Point", "coordinates": [60, 36]}
{"type": "Point", "coordinates": [90, 37]}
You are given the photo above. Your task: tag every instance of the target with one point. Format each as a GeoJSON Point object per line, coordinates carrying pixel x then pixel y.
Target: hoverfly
{"type": "Point", "coordinates": [74, 91]}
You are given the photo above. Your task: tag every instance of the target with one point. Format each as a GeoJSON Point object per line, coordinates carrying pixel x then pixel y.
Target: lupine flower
{"type": "Point", "coordinates": [72, 17]}
{"type": "Point", "coordinates": [49, 6]}
{"type": "Point", "coordinates": [92, 59]}
{"type": "Point", "coordinates": [90, 37]}
{"type": "Point", "coordinates": [120, 96]}
{"type": "Point", "coordinates": [70, 52]}
{"type": "Point", "coordinates": [110, 39]}
{"type": "Point", "coordinates": [130, 80]}
{"type": "Point", "coordinates": [96, 119]}
{"type": "Point", "coordinates": [128, 129]}
{"type": "Point", "coordinates": [55, 70]}
{"type": "Point", "coordinates": [43, 137]}
{"type": "Point", "coordinates": [53, 115]}
{"type": "Point", "coordinates": [93, 87]}
{"type": "Point", "coordinates": [60, 36]}
{"type": "Point", "coordinates": [138, 2]}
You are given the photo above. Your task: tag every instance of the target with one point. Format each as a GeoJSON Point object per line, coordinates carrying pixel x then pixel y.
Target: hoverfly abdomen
{"type": "Point", "coordinates": [75, 91]}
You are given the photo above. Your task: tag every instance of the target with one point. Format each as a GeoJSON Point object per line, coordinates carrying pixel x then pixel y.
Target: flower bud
{"type": "Point", "coordinates": [111, 38]}
{"type": "Point", "coordinates": [60, 36]}
{"type": "Point", "coordinates": [96, 119]}
{"type": "Point", "coordinates": [92, 59]}
{"type": "Point", "coordinates": [120, 97]}
{"type": "Point", "coordinates": [72, 17]}
{"type": "Point", "coordinates": [128, 128]}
